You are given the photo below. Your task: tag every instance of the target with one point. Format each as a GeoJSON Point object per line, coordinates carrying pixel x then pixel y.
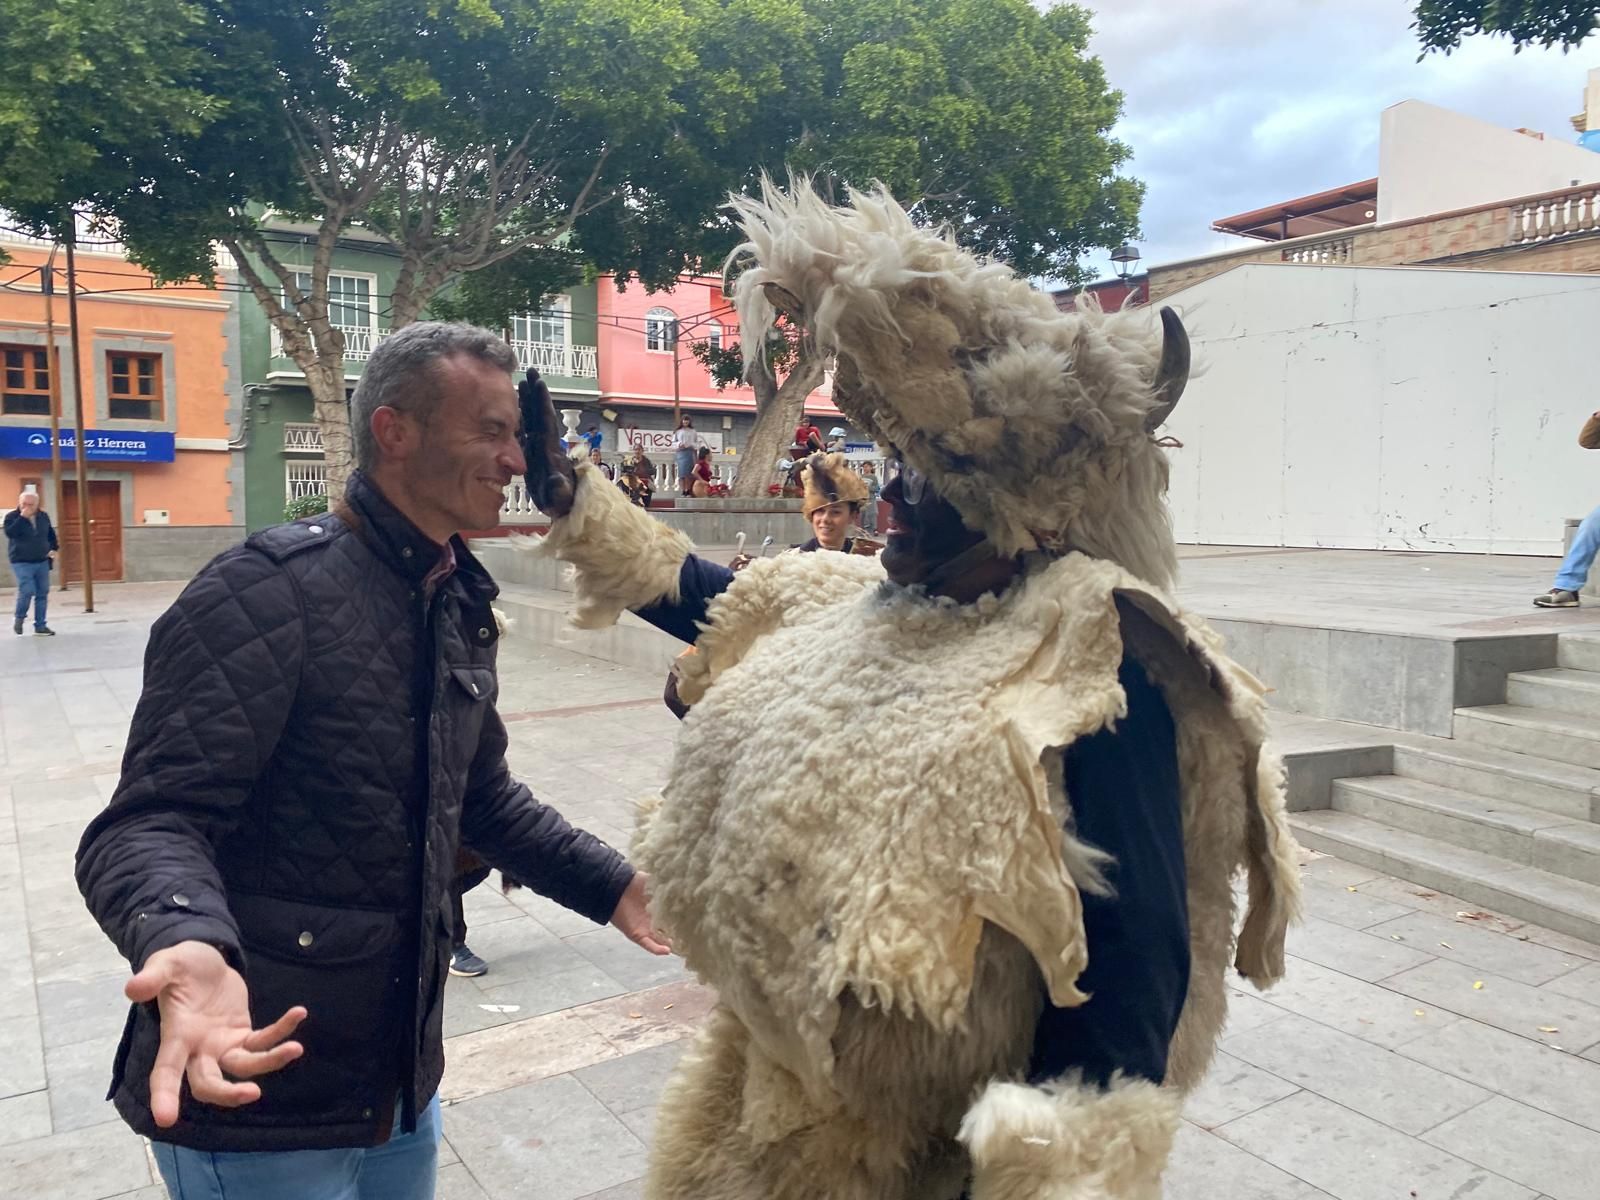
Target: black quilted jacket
{"type": "Point", "coordinates": [313, 743]}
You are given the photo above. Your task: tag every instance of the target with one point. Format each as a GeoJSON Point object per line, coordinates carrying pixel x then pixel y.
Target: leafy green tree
{"type": "Point", "coordinates": [1442, 24]}
{"type": "Point", "coordinates": [525, 139]}
{"type": "Point", "coordinates": [988, 116]}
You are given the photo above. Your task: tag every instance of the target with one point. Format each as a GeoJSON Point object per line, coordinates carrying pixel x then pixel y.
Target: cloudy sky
{"type": "Point", "coordinates": [1231, 106]}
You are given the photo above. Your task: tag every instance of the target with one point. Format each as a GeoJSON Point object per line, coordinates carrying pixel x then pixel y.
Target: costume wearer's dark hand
{"type": "Point", "coordinates": [551, 479]}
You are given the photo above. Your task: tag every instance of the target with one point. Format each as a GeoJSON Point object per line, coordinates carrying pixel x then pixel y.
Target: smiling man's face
{"type": "Point", "coordinates": [467, 450]}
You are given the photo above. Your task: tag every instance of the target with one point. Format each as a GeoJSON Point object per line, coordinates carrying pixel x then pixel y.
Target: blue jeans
{"type": "Point", "coordinates": [1574, 572]}
{"type": "Point", "coordinates": [33, 583]}
{"type": "Point", "coordinates": [403, 1168]}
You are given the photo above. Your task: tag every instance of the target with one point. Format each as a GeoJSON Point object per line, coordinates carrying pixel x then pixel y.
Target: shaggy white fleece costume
{"type": "Point", "coordinates": [883, 931]}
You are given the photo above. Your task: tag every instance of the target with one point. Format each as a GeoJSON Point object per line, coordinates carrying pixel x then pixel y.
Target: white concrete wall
{"type": "Point", "coordinates": [1432, 160]}
{"type": "Point", "coordinates": [1386, 408]}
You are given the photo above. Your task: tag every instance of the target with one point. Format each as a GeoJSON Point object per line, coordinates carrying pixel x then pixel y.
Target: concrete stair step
{"type": "Point", "coordinates": [1579, 651]}
{"type": "Point", "coordinates": [1528, 837]}
{"type": "Point", "coordinates": [542, 615]}
{"type": "Point", "coordinates": [1556, 787]}
{"type": "Point", "coordinates": [1564, 689]}
{"type": "Point", "coordinates": [1555, 901]}
{"type": "Point", "coordinates": [1540, 732]}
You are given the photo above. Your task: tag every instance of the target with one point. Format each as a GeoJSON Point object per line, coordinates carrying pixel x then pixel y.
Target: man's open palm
{"type": "Point", "coordinates": [205, 1030]}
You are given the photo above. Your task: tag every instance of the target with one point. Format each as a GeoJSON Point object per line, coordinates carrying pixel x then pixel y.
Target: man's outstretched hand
{"type": "Point", "coordinates": [205, 1030]}
{"type": "Point", "coordinates": [633, 918]}
{"type": "Point", "coordinates": [551, 479]}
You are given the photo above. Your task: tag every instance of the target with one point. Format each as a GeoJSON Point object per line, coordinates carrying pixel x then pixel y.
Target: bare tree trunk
{"type": "Point", "coordinates": [778, 412]}
{"type": "Point", "coordinates": [326, 384]}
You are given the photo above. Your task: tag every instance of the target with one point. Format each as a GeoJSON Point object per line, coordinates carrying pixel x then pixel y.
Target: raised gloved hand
{"type": "Point", "coordinates": [551, 479]}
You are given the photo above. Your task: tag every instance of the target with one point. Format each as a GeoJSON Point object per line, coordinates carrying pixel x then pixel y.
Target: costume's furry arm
{"type": "Point", "coordinates": [623, 557]}
{"type": "Point", "coordinates": [1070, 1141]}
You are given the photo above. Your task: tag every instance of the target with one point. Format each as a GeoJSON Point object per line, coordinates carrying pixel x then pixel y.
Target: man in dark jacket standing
{"type": "Point", "coordinates": [316, 738]}
{"type": "Point", "coordinates": [31, 546]}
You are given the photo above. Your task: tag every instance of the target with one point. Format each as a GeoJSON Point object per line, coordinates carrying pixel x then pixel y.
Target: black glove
{"type": "Point", "coordinates": [551, 478]}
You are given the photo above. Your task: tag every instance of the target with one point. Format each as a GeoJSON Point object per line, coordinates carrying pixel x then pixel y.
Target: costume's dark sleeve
{"type": "Point", "coordinates": [699, 582]}
{"type": "Point", "coordinates": [532, 842]}
{"type": "Point", "coordinates": [1123, 787]}
{"type": "Point", "coordinates": [220, 676]}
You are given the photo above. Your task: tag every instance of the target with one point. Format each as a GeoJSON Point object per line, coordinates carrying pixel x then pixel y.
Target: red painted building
{"type": "Point", "coordinates": [646, 358]}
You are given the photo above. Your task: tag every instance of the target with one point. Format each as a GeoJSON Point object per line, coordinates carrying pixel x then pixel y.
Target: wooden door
{"type": "Point", "coordinates": [105, 528]}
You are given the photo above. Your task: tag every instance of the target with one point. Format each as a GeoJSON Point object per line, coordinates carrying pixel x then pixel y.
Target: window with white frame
{"type": "Point", "coordinates": [660, 329]}
{"type": "Point", "coordinates": [549, 325]}
{"type": "Point", "coordinates": [349, 299]}
{"type": "Point", "coordinates": [714, 336]}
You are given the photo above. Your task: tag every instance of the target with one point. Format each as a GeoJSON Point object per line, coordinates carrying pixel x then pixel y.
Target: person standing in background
{"type": "Point", "coordinates": [31, 546]}
{"type": "Point", "coordinates": [1574, 571]}
{"type": "Point", "coordinates": [685, 441]}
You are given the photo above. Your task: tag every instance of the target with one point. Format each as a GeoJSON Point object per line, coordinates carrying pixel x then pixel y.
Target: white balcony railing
{"type": "Point", "coordinates": [359, 342]}
{"type": "Point", "coordinates": [299, 438]}
{"type": "Point", "coordinates": [305, 479]}
{"type": "Point", "coordinates": [1329, 252]}
{"type": "Point", "coordinates": [1573, 211]}
{"type": "Point", "coordinates": [558, 358]}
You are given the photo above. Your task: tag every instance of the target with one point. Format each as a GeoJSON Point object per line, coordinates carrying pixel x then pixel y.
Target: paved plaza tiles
{"type": "Point", "coordinates": [1419, 1046]}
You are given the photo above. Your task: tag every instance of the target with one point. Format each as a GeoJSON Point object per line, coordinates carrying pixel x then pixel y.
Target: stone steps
{"type": "Point", "coordinates": [1580, 651]}
{"type": "Point", "coordinates": [1556, 787]}
{"type": "Point", "coordinates": [1506, 814]}
{"type": "Point", "coordinates": [1540, 732]}
{"type": "Point", "coordinates": [1558, 689]}
{"type": "Point", "coordinates": [1527, 893]}
{"type": "Point", "coordinates": [1529, 837]}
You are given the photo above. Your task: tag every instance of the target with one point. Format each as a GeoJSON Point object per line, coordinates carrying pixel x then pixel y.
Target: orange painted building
{"type": "Point", "coordinates": [647, 337]}
{"type": "Point", "coordinates": [159, 373]}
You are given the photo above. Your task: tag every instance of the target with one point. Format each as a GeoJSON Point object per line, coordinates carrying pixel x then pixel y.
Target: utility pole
{"type": "Point", "coordinates": [52, 358]}
{"type": "Point", "coordinates": [80, 448]}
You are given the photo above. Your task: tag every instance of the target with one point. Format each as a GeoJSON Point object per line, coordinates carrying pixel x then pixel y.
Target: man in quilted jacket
{"type": "Point", "coordinates": [316, 739]}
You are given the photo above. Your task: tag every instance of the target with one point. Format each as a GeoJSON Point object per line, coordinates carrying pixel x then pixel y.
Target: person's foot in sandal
{"type": "Point", "coordinates": [1557, 598]}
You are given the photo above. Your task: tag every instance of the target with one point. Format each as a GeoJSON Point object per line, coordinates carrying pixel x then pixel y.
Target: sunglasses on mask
{"type": "Point", "coordinates": [913, 483]}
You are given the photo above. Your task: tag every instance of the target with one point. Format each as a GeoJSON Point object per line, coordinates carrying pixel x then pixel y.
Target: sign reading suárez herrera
{"type": "Point", "coordinates": [103, 446]}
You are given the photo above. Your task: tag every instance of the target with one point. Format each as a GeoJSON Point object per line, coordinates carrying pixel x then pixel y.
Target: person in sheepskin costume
{"type": "Point", "coordinates": [988, 958]}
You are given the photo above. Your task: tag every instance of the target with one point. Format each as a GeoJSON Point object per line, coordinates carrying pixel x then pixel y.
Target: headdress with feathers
{"type": "Point", "coordinates": [1037, 425]}
{"type": "Point", "coordinates": [828, 480]}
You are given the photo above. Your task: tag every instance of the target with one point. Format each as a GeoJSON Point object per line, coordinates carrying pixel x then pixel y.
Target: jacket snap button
{"type": "Point", "coordinates": [406, 553]}
{"type": "Point", "coordinates": [313, 528]}
{"type": "Point", "coordinates": [366, 1114]}
{"type": "Point", "coordinates": [180, 899]}
{"type": "Point", "coordinates": [306, 939]}
{"type": "Point", "coordinates": [483, 633]}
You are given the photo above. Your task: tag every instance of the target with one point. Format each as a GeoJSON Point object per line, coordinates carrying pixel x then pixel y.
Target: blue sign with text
{"type": "Point", "coordinates": [117, 446]}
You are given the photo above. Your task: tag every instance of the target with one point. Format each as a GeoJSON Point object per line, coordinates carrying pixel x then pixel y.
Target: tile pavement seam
{"type": "Point", "coordinates": [1387, 983]}
{"type": "Point", "coordinates": [1412, 1137]}
{"type": "Point", "coordinates": [1290, 1012]}
{"type": "Point", "coordinates": [1217, 1133]}
{"type": "Point", "coordinates": [1491, 1095]}
{"type": "Point", "coordinates": [1266, 1103]}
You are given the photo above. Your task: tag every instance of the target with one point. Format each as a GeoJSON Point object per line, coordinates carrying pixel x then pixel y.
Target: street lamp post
{"type": "Point", "coordinates": [1126, 256]}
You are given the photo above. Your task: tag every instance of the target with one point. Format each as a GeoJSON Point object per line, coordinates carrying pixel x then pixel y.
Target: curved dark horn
{"type": "Point", "coordinates": [1173, 372]}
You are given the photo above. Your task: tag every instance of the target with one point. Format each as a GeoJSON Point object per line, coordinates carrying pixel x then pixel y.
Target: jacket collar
{"type": "Point", "coordinates": [403, 547]}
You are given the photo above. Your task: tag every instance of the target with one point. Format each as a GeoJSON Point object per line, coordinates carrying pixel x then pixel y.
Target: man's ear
{"type": "Point", "coordinates": [394, 432]}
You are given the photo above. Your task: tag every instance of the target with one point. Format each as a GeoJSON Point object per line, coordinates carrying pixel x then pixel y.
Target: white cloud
{"type": "Point", "coordinates": [1230, 106]}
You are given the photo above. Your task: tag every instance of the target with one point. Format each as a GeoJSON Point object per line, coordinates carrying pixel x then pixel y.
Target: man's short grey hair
{"type": "Point", "coordinates": [401, 375]}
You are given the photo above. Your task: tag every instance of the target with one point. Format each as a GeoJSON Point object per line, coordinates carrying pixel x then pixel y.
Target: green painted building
{"type": "Point", "coordinates": [283, 446]}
